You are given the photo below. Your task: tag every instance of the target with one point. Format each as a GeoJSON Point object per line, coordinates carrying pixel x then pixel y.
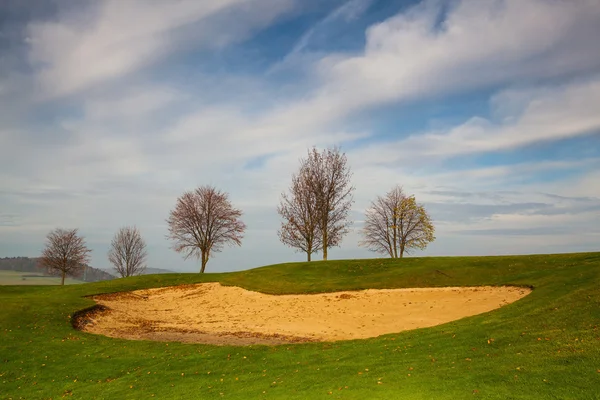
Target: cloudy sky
{"type": "Point", "coordinates": [488, 111]}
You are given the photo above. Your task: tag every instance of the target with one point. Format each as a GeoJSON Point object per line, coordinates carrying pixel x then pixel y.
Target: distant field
{"type": "Point", "coordinates": [28, 278]}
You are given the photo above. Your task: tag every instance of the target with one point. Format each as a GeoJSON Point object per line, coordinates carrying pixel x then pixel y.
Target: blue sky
{"type": "Point", "coordinates": [486, 110]}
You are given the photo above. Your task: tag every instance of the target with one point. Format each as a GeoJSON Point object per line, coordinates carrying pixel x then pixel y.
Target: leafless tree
{"type": "Point", "coordinates": [202, 222]}
{"type": "Point", "coordinates": [396, 224]}
{"type": "Point", "coordinates": [328, 181]}
{"type": "Point", "coordinates": [65, 253]}
{"type": "Point", "coordinates": [128, 252]}
{"type": "Point", "coordinates": [300, 227]}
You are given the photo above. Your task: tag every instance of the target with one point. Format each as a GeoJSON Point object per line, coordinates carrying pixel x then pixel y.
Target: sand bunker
{"type": "Point", "coordinates": [215, 314]}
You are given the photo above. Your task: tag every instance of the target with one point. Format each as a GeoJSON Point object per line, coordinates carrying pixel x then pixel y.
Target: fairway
{"type": "Point", "coordinates": [216, 314]}
{"type": "Point", "coordinates": [544, 346]}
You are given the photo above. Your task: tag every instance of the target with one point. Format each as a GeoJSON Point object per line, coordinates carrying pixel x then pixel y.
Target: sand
{"type": "Point", "coordinates": [215, 314]}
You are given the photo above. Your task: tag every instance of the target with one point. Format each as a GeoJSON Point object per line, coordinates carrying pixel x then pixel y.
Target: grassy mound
{"type": "Point", "coordinates": [546, 345]}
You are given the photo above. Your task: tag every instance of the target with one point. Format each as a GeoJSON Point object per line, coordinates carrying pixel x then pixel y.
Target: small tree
{"type": "Point", "coordinates": [396, 224]}
{"type": "Point", "coordinates": [300, 227]}
{"type": "Point", "coordinates": [202, 222]}
{"type": "Point", "coordinates": [128, 252]}
{"type": "Point", "coordinates": [65, 253]}
{"type": "Point", "coordinates": [328, 181]}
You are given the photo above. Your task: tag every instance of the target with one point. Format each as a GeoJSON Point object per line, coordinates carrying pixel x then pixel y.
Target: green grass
{"type": "Point", "coordinates": [545, 346]}
{"type": "Point", "coordinates": [30, 278]}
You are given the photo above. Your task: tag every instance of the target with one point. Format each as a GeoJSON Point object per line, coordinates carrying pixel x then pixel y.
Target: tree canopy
{"type": "Point", "coordinates": [65, 253]}
{"type": "Point", "coordinates": [315, 212]}
{"type": "Point", "coordinates": [203, 222]}
{"type": "Point", "coordinates": [396, 224]}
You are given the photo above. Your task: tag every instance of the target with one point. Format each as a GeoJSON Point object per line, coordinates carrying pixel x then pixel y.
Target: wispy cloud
{"type": "Point", "coordinates": [113, 38]}
{"type": "Point", "coordinates": [550, 113]}
{"type": "Point", "coordinates": [7, 219]}
{"type": "Point", "coordinates": [348, 11]}
{"type": "Point", "coordinates": [113, 113]}
{"type": "Point", "coordinates": [479, 45]}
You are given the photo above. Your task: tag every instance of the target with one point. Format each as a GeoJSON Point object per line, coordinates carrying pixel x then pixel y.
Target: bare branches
{"type": "Point", "coordinates": [202, 222]}
{"type": "Point", "coordinates": [396, 224]}
{"type": "Point", "coordinates": [328, 179]}
{"type": "Point", "coordinates": [128, 252]}
{"type": "Point", "coordinates": [65, 253]}
{"type": "Point", "coordinates": [315, 212]}
{"type": "Point", "coordinates": [300, 227]}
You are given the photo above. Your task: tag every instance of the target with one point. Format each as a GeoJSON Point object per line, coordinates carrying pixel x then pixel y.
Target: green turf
{"type": "Point", "coordinates": [30, 278]}
{"type": "Point", "coordinates": [545, 346]}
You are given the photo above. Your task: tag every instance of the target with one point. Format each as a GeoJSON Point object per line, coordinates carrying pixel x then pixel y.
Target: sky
{"type": "Point", "coordinates": [487, 111]}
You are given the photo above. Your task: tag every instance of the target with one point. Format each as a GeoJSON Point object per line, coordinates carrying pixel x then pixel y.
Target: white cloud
{"type": "Point", "coordinates": [405, 56]}
{"type": "Point", "coordinates": [133, 102]}
{"type": "Point", "coordinates": [115, 37]}
{"type": "Point", "coordinates": [479, 44]}
{"type": "Point", "coordinates": [588, 185]}
{"type": "Point", "coordinates": [539, 114]}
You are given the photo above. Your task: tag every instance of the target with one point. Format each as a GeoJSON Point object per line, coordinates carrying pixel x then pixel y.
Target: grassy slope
{"type": "Point", "coordinates": [546, 345]}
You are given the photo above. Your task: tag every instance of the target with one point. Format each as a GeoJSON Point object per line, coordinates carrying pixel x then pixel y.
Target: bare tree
{"type": "Point", "coordinates": [328, 181]}
{"type": "Point", "coordinates": [202, 222]}
{"type": "Point", "coordinates": [300, 227]}
{"type": "Point", "coordinates": [128, 252]}
{"type": "Point", "coordinates": [65, 253]}
{"type": "Point", "coordinates": [396, 224]}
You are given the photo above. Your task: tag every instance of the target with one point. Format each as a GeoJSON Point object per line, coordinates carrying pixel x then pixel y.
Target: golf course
{"type": "Point", "coordinates": [543, 345]}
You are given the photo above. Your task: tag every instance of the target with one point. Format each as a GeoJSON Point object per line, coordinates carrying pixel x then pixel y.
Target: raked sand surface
{"type": "Point", "coordinates": [215, 314]}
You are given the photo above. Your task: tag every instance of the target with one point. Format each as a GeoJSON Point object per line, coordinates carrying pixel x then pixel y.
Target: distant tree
{"type": "Point", "coordinates": [65, 253]}
{"type": "Point", "coordinates": [22, 264]}
{"type": "Point", "coordinates": [128, 252]}
{"type": "Point", "coordinates": [298, 208]}
{"type": "Point", "coordinates": [202, 222]}
{"type": "Point", "coordinates": [328, 181]}
{"type": "Point", "coordinates": [396, 224]}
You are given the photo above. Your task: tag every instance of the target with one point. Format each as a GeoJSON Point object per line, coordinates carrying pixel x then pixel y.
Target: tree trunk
{"type": "Point", "coordinates": [395, 242]}
{"type": "Point", "coordinates": [308, 256]}
{"type": "Point", "coordinates": [62, 281]}
{"type": "Point", "coordinates": [325, 244]}
{"type": "Point", "coordinates": [401, 251]}
{"type": "Point", "coordinates": [204, 261]}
